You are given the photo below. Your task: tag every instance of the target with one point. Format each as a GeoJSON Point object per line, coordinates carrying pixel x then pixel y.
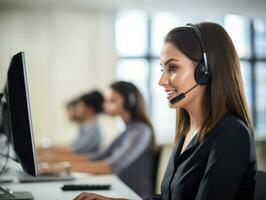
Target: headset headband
{"type": "Point", "coordinates": [204, 55]}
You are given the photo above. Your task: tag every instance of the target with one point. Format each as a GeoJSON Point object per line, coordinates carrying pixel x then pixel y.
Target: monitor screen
{"type": "Point", "coordinates": [19, 114]}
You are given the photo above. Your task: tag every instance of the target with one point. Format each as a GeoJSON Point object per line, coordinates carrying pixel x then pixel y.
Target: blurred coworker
{"type": "Point", "coordinates": [87, 109]}
{"type": "Point", "coordinates": [130, 155]}
{"type": "Point", "coordinates": [72, 111]}
{"type": "Point", "coordinates": [83, 111]}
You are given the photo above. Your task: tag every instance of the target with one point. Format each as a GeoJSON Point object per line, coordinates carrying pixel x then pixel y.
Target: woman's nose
{"type": "Point", "coordinates": [164, 80]}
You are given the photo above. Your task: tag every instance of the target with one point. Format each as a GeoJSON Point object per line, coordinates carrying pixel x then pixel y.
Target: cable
{"type": "Point", "coordinates": [7, 155]}
{"type": "Point", "coordinates": [1, 114]}
{"type": "Point", "coordinates": [14, 159]}
{"type": "Point", "coordinates": [7, 142]}
{"type": "Point", "coordinates": [4, 166]}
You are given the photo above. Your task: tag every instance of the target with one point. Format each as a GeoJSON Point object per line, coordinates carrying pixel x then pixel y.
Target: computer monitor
{"type": "Point", "coordinates": [16, 114]}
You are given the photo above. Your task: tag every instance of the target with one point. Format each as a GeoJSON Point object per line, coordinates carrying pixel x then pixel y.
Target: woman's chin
{"type": "Point", "coordinates": [175, 105]}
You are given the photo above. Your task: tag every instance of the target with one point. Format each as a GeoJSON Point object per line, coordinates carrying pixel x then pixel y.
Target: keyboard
{"type": "Point", "coordinates": [74, 187]}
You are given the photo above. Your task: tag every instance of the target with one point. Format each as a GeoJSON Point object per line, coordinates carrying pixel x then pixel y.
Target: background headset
{"type": "Point", "coordinates": [202, 72]}
{"type": "Point", "coordinates": [130, 98]}
{"type": "Point", "coordinates": [130, 102]}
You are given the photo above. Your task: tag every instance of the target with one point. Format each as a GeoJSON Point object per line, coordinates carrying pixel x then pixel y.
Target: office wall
{"type": "Point", "coordinates": [67, 52]}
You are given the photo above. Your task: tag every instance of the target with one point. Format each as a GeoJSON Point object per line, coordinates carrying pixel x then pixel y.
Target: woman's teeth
{"type": "Point", "coordinates": [171, 94]}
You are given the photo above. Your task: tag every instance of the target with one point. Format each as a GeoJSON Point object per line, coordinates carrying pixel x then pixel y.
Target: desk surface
{"type": "Point", "coordinates": [52, 190]}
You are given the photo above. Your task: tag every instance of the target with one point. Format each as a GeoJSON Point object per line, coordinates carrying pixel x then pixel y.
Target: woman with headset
{"type": "Point", "coordinates": [130, 156]}
{"type": "Point", "coordinates": [214, 156]}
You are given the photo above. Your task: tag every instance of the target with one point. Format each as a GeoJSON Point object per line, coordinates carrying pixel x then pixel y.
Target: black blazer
{"type": "Point", "coordinates": [223, 167]}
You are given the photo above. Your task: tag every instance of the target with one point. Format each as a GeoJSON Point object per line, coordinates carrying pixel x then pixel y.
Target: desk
{"type": "Point", "coordinates": [52, 191]}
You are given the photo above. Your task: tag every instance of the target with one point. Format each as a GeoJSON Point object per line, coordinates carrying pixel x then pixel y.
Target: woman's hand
{"type": "Point", "coordinates": [96, 167]}
{"type": "Point", "coordinates": [51, 156]}
{"type": "Point", "coordinates": [91, 196]}
{"type": "Point", "coordinates": [53, 168]}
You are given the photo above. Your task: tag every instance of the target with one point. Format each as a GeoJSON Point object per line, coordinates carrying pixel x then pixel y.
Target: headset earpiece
{"type": "Point", "coordinates": [201, 75]}
{"type": "Point", "coordinates": [130, 101]}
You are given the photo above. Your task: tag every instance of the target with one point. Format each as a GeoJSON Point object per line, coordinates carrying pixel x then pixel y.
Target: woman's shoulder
{"type": "Point", "coordinates": [232, 122]}
{"type": "Point", "coordinates": [138, 124]}
{"type": "Point", "coordinates": [232, 128]}
{"type": "Point", "coordinates": [140, 127]}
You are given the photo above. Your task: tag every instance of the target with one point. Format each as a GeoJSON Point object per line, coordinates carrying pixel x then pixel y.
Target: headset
{"type": "Point", "coordinates": [202, 72]}
{"type": "Point", "coordinates": [130, 99]}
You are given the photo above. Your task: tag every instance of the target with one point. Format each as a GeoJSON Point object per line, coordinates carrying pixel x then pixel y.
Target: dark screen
{"type": "Point", "coordinates": [19, 114]}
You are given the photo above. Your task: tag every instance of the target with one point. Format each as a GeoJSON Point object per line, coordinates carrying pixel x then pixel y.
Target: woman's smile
{"type": "Point", "coordinates": [170, 93]}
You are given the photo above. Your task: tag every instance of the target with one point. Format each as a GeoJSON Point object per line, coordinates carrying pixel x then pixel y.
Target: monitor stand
{"type": "Point", "coordinates": [8, 194]}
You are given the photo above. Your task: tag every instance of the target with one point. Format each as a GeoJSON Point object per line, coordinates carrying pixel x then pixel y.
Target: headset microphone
{"type": "Point", "coordinates": [182, 95]}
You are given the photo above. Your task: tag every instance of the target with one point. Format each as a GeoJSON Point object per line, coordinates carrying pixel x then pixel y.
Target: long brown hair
{"type": "Point", "coordinates": [225, 91]}
{"type": "Point", "coordinates": [134, 103]}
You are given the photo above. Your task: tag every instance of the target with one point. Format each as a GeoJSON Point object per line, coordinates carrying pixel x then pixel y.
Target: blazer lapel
{"type": "Point", "coordinates": [193, 144]}
{"type": "Point", "coordinates": [170, 170]}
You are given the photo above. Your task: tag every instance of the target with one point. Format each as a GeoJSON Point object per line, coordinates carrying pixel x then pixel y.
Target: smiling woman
{"type": "Point", "coordinates": [215, 144]}
{"type": "Point", "coordinates": [214, 156]}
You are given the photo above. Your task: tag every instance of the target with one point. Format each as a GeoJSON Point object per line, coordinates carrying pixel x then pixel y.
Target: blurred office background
{"type": "Point", "coordinates": [74, 46]}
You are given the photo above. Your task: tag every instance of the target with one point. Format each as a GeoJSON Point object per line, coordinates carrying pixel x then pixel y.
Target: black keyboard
{"type": "Point", "coordinates": [73, 187]}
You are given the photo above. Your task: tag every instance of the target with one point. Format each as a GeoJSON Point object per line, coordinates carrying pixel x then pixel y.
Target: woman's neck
{"type": "Point", "coordinates": [90, 119]}
{"type": "Point", "coordinates": [195, 111]}
{"type": "Point", "coordinates": [195, 120]}
{"type": "Point", "coordinates": [126, 117]}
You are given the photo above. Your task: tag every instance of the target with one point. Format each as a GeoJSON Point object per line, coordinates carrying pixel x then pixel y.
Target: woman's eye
{"type": "Point", "coordinates": [172, 68]}
{"type": "Point", "coordinates": [162, 69]}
